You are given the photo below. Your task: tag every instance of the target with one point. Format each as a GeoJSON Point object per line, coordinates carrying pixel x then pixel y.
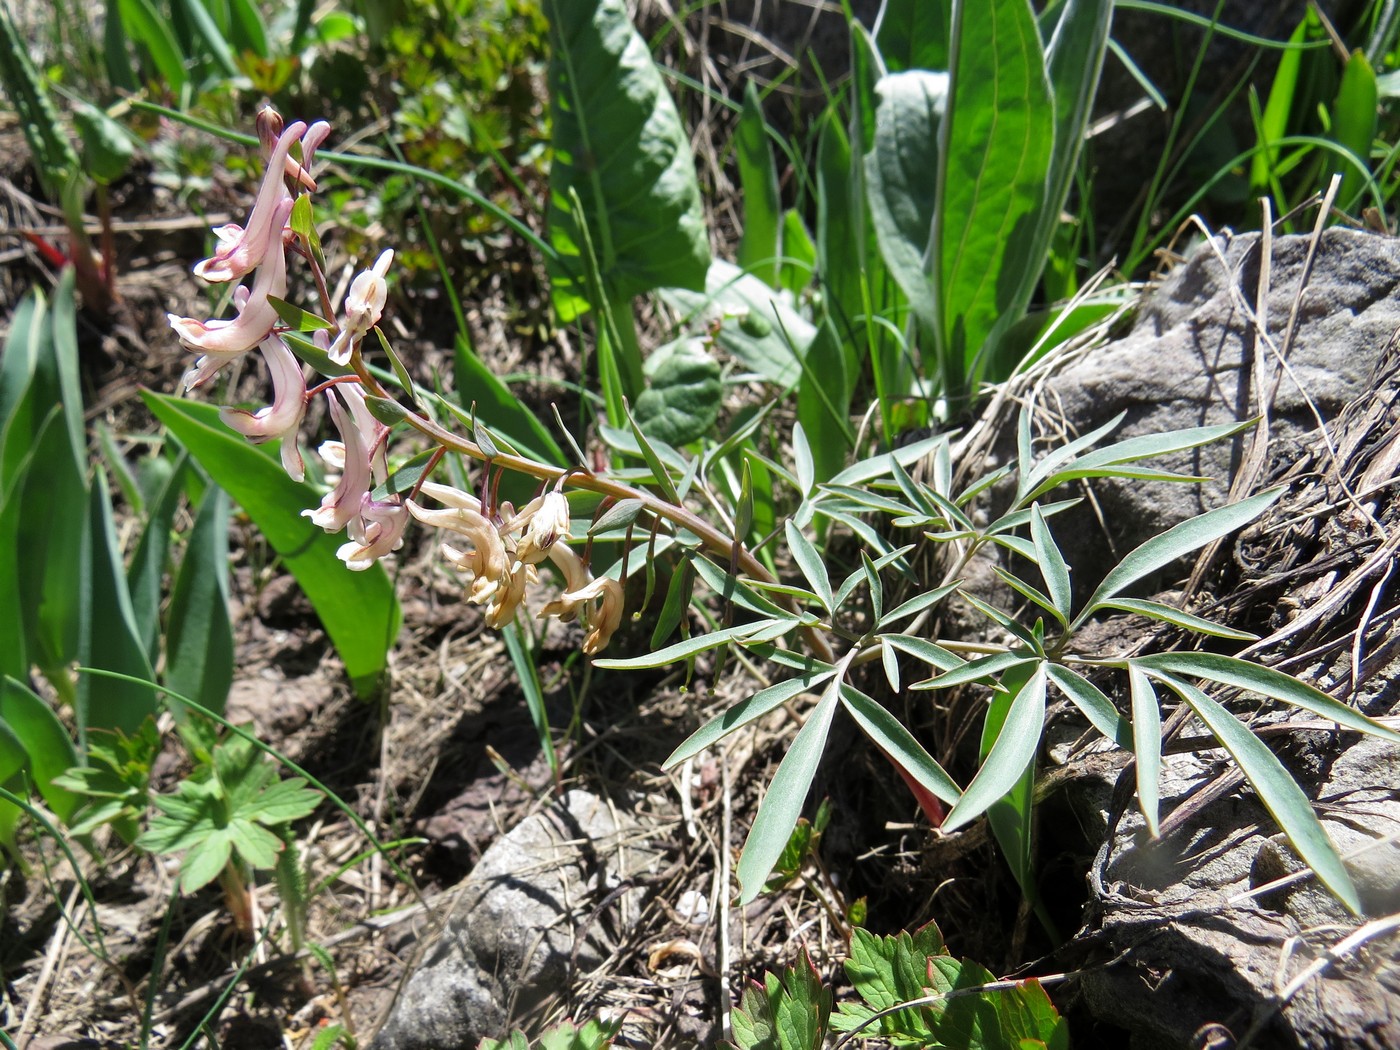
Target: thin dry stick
{"type": "Point", "coordinates": [57, 945]}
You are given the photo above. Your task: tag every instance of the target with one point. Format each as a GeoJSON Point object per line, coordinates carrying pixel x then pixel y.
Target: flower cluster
{"type": "Point", "coordinates": [503, 546]}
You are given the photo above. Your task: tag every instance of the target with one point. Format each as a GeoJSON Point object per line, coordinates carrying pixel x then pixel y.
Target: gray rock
{"type": "Point", "coordinates": [523, 923]}
{"type": "Point", "coordinates": [1189, 362]}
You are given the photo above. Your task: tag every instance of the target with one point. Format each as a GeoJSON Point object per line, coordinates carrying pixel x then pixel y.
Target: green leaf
{"type": "Point", "coordinates": [914, 34]}
{"type": "Point", "coordinates": [997, 139]}
{"type": "Point", "coordinates": [1177, 617]}
{"type": "Point", "coordinates": [295, 318]}
{"type": "Point", "coordinates": [760, 246]}
{"type": "Point", "coordinates": [199, 641]}
{"type": "Point", "coordinates": [824, 402]}
{"type": "Point", "coordinates": [48, 749]}
{"type": "Point", "coordinates": [898, 744]}
{"type": "Point", "coordinates": [1052, 565]}
{"type": "Point", "coordinates": [1273, 125]}
{"type": "Point", "coordinates": [922, 649]}
{"type": "Point", "coordinates": [697, 644]}
{"type": "Point", "coordinates": [810, 562]}
{"type": "Point", "coordinates": [984, 667]}
{"type": "Point", "coordinates": [683, 396]}
{"type": "Point", "coordinates": [207, 30]}
{"type": "Point", "coordinates": [1010, 815]}
{"type": "Point", "coordinates": [358, 609]}
{"type": "Point", "coordinates": [1015, 748]}
{"type": "Point", "coordinates": [1354, 119]}
{"type": "Point", "coordinates": [799, 254]}
{"type": "Point", "coordinates": [1241, 674]}
{"type": "Point", "coordinates": [107, 634]}
{"type": "Point", "coordinates": [146, 572]}
{"type": "Point", "coordinates": [731, 589]}
{"type": "Point", "coordinates": [654, 460]}
{"type": "Point", "coordinates": [1178, 541]}
{"type": "Point", "coordinates": [1097, 708]}
{"type": "Point", "coordinates": [620, 145]}
{"type": "Point", "coordinates": [900, 192]}
{"type": "Point", "coordinates": [107, 148]}
{"type": "Point", "coordinates": [782, 802]}
{"type": "Point", "coordinates": [1280, 794]}
{"type": "Point", "coordinates": [1147, 743]}
{"type": "Point", "coordinates": [152, 32]}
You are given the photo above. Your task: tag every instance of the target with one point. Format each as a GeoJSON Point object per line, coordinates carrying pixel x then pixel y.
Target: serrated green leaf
{"type": "Point", "coordinates": [202, 864]}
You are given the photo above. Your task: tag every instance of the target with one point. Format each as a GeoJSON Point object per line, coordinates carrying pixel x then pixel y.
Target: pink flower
{"type": "Point", "coordinates": [377, 531]}
{"type": "Point", "coordinates": [222, 341]}
{"type": "Point", "coordinates": [241, 249]}
{"type": "Point", "coordinates": [364, 306]}
{"type": "Point", "coordinates": [342, 504]}
{"type": "Point", "coordinates": [282, 419]}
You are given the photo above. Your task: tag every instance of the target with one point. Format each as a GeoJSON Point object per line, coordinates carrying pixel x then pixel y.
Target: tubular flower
{"type": "Point", "coordinates": [377, 531]}
{"type": "Point", "coordinates": [342, 504]}
{"type": "Point", "coordinates": [282, 419]}
{"type": "Point", "coordinates": [487, 559]}
{"type": "Point", "coordinates": [364, 306]}
{"type": "Point", "coordinates": [576, 578]}
{"type": "Point", "coordinates": [222, 341]}
{"type": "Point", "coordinates": [604, 618]}
{"type": "Point", "coordinates": [242, 249]}
{"type": "Point", "coordinates": [546, 521]}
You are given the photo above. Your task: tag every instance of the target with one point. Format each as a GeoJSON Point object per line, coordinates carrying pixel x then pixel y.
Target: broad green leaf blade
{"type": "Point", "coordinates": [1354, 119]}
{"type": "Point", "coordinates": [898, 744]}
{"type": "Point", "coordinates": [760, 246]}
{"type": "Point", "coordinates": [1178, 617]}
{"type": "Point", "coordinates": [1178, 541]}
{"type": "Point", "coordinates": [900, 191]}
{"type": "Point", "coordinates": [757, 326]}
{"type": "Point", "coordinates": [823, 402]}
{"type": "Point", "coordinates": [1147, 744]}
{"type": "Point", "coordinates": [1280, 794]}
{"type": "Point", "coordinates": [146, 573]}
{"type": "Point", "coordinates": [1097, 708]}
{"type": "Point", "coordinates": [1273, 125]}
{"type": "Point", "coordinates": [913, 34]}
{"type": "Point", "coordinates": [810, 562]}
{"type": "Point", "coordinates": [358, 609]}
{"type": "Point", "coordinates": [46, 744]}
{"type": "Point", "coordinates": [995, 150]}
{"type": "Point", "coordinates": [682, 400]}
{"type": "Point", "coordinates": [1053, 567]}
{"type": "Point", "coordinates": [199, 642]}
{"type": "Point", "coordinates": [620, 145]}
{"type": "Point", "coordinates": [1013, 752]}
{"type": "Point", "coordinates": [744, 712]}
{"type": "Point", "coordinates": [782, 802]}
{"type": "Point", "coordinates": [1241, 674]}
{"type": "Point", "coordinates": [107, 634]}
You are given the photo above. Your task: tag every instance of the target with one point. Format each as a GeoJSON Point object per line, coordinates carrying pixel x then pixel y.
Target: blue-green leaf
{"type": "Point", "coordinates": [1014, 750]}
